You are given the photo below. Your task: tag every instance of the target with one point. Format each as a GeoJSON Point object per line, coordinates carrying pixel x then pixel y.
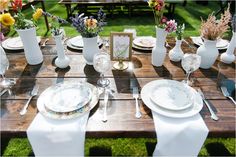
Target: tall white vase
{"type": "Point", "coordinates": [62, 60]}
{"type": "Point", "coordinates": [176, 54]}
{"type": "Point", "coordinates": [159, 50]}
{"type": "Point", "coordinates": [32, 51]}
{"type": "Point", "coordinates": [90, 49]}
{"type": "Point", "coordinates": [208, 53]}
{"type": "Point", "coordinates": [228, 57]}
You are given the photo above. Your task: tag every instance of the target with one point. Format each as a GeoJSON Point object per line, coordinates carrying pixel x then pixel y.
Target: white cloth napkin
{"type": "Point", "coordinates": [179, 137]}
{"type": "Point", "coordinates": [50, 137]}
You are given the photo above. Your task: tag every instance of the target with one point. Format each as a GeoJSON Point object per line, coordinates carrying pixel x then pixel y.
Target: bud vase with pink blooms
{"type": "Point", "coordinates": [163, 27]}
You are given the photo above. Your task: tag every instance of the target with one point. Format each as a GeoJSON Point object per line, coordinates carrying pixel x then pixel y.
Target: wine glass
{"type": "Point", "coordinates": [190, 63]}
{"type": "Point", "coordinates": [101, 63]}
{"type": "Point", "coordinates": [4, 64]}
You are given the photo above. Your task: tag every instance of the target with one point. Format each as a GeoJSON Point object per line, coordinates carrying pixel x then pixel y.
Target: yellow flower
{"type": "Point", "coordinates": [6, 19]}
{"type": "Point", "coordinates": [90, 23]}
{"type": "Point", "coordinates": [38, 13]}
{"type": "Point", "coordinates": [3, 5]}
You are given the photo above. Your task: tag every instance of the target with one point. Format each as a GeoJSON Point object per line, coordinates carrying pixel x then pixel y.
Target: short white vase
{"type": "Point", "coordinates": [33, 54]}
{"type": "Point", "coordinates": [176, 54]}
{"type": "Point", "coordinates": [228, 57]}
{"type": "Point", "coordinates": [62, 61]}
{"type": "Point", "coordinates": [208, 53]}
{"type": "Point", "coordinates": [159, 50]}
{"type": "Point", "coordinates": [90, 49]}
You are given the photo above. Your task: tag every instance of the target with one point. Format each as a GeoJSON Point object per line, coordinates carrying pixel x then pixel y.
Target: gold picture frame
{"type": "Point", "coordinates": [121, 48]}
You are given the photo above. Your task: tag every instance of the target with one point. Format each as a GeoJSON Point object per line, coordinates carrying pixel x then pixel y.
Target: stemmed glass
{"type": "Point", "coordinates": [101, 63]}
{"type": "Point", "coordinates": [190, 63]}
{"type": "Point", "coordinates": [4, 64]}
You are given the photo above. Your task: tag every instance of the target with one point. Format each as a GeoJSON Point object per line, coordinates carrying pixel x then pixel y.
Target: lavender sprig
{"type": "Point", "coordinates": [89, 26]}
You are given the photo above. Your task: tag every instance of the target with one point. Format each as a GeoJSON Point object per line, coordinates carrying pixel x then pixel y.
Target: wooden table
{"type": "Point", "coordinates": [131, 5]}
{"type": "Point", "coordinates": [121, 120]}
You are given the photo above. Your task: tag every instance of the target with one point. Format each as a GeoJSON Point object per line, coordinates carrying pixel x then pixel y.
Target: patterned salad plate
{"type": "Point", "coordinates": [67, 100]}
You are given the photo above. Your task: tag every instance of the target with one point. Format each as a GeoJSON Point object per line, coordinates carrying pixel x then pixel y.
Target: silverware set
{"type": "Point", "coordinates": [33, 93]}
{"type": "Point", "coordinates": [226, 94]}
{"type": "Point", "coordinates": [136, 96]}
{"type": "Point", "coordinates": [213, 115]}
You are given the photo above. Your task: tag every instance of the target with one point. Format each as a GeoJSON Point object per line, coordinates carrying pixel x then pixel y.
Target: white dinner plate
{"type": "Point", "coordinates": [171, 95]}
{"type": "Point", "coordinates": [142, 48]}
{"type": "Point", "coordinates": [15, 43]}
{"type": "Point", "coordinates": [77, 43]}
{"type": "Point", "coordinates": [145, 42]}
{"type": "Point", "coordinates": [188, 112]}
{"type": "Point", "coordinates": [68, 97]}
{"type": "Point", "coordinates": [220, 44]}
{"type": "Point", "coordinates": [45, 97]}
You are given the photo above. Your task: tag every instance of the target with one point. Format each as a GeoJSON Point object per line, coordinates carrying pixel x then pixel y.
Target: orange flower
{"type": "Point", "coordinates": [4, 5]}
{"type": "Point", "coordinates": [16, 4]}
{"type": "Point", "coordinates": [90, 23]}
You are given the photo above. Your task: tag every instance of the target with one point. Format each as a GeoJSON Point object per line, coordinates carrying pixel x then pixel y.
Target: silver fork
{"type": "Point", "coordinates": [226, 93]}
{"type": "Point", "coordinates": [135, 96]}
{"type": "Point", "coordinates": [33, 93]}
{"type": "Point", "coordinates": [213, 115]}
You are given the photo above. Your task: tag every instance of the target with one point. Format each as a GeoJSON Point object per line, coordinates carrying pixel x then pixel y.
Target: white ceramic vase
{"type": "Point", "coordinates": [90, 49]}
{"type": "Point", "coordinates": [159, 50]}
{"type": "Point", "coordinates": [32, 51]}
{"type": "Point", "coordinates": [228, 57]}
{"type": "Point", "coordinates": [176, 54]}
{"type": "Point", "coordinates": [62, 61]}
{"type": "Point", "coordinates": [208, 53]}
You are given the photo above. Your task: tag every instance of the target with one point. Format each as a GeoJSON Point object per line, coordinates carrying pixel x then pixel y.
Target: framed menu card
{"type": "Point", "coordinates": [121, 46]}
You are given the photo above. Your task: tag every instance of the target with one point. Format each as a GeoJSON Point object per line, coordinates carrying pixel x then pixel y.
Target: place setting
{"type": "Point", "coordinates": [221, 44]}
{"type": "Point", "coordinates": [15, 43]}
{"type": "Point", "coordinates": [76, 43]}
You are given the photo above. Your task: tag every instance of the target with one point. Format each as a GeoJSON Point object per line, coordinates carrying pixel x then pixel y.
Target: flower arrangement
{"type": "Point", "coordinates": [89, 26]}
{"type": "Point", "coordinates": [55, 24]}
{"type": "Point", "coordinates": [212, 29]}
{"type": "Point", "coordinates": [18, 20]}
{"type": "Point", "coordinates": [161, 21]}
{"type": "Point", "coordinates": [180, 31]}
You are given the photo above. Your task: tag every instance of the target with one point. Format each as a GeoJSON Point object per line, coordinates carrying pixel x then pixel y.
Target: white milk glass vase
{"type": "Point", "coordinates": [228, 57]}
{"type": "Point", "coordinates": [176, 54]}
{"type": "Point", "coordinates": [208, 53]}
{"type": "Point", "coordinates": [159, 50]}
{"type": "Point", "coordinates": [62, 61]}
{"type": "Point", "coordinates": [90, 49]}
{"type": "Point", "coordinates": [33, 54]}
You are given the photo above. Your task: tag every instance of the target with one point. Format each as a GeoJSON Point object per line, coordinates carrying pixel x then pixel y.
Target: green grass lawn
{"type": "Point", "coordinates": [144, 24]}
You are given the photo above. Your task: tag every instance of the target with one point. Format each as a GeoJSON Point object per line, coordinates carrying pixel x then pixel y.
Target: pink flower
{"type": "Point", "coordinates": [171, 26]}
{"type": "Point", "coordinates": [1, 36]}
{"type": "Point", "coordinates": [163, 20]}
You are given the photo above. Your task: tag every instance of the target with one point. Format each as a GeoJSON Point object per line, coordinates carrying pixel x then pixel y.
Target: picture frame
{"type": "Point", "coordinates": [121, 46]}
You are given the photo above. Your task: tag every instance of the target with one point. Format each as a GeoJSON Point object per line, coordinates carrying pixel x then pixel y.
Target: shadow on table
{"type": "Point", "coordinates": [27, 79]}
{"type": "Point", "coordinates": [100, 151]}
{"type": "Point", "coordinates": [162, 71]}
{"type": "Point", "coordinates": [217, 149]}
{"type": "Point", "coordinates": [91, 74]}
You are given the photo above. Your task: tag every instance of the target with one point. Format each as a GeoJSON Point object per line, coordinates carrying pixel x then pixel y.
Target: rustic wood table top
{"type": "Point", "coordinates": [121, 110]}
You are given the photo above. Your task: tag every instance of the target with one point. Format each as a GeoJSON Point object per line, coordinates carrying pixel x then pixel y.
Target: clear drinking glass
{"type": "Point", "coordinates": [101, 63]}
{"type": "Point", "coordinates": [4, 64]}
{"type": "Point", "coordinates": [190, 63]}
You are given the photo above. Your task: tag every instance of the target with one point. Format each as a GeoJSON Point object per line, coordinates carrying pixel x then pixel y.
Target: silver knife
{"type": "Point", "coordinates": [213, 115]}
{"type": "Point", "coordinates": [106, 94]}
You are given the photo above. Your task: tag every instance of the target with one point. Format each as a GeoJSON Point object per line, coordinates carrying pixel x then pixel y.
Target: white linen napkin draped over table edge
{"type": "Point", "coordinates": [179, 136]}
{"type": "Point", "coordinates": [49, 137]}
